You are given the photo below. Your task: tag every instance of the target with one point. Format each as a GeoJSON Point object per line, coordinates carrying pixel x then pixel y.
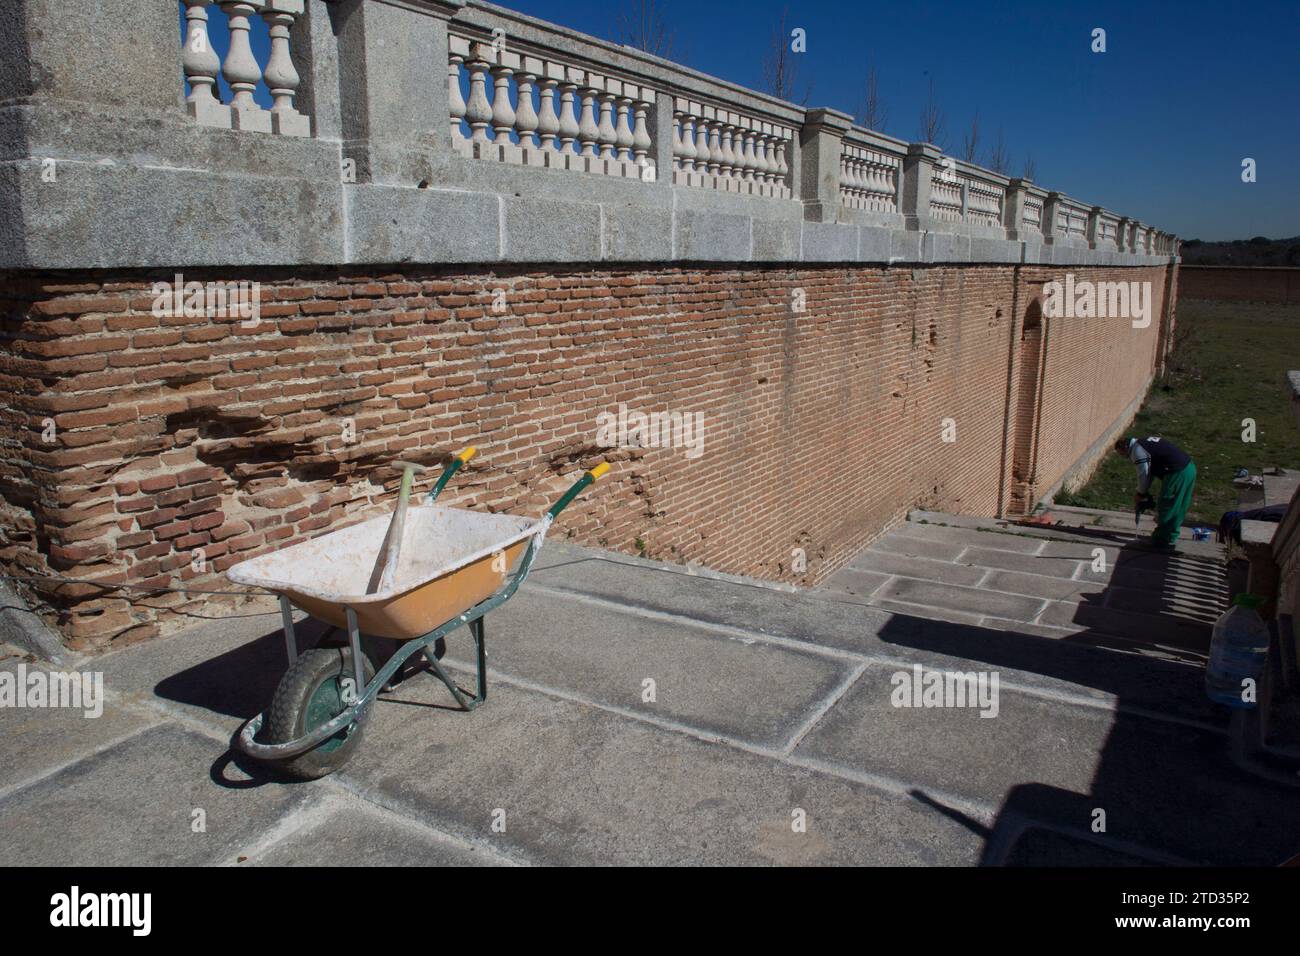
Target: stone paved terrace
{"type": "Point", "coordinates": [768, 701]}
{"type": "Point", "coordinates": [1047, 581]}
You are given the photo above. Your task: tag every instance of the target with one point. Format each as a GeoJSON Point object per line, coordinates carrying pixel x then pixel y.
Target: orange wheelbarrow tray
{"type": "Point", "coordinates": [453, 566]}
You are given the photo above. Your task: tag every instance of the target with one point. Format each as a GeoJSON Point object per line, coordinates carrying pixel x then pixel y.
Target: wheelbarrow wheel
{"type": "Point", "coordinates": [311, 693]}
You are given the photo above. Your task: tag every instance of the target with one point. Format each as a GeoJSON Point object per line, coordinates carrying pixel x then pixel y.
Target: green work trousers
{"type": "Point", "coordinates": [1175, 499]}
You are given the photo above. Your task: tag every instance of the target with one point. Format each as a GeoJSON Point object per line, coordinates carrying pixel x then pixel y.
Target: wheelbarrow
{"type": "Point", "coordinates": [394, 588]}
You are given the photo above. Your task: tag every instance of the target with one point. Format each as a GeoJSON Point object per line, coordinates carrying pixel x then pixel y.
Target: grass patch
{"type": "Point", "coordinates": [1229, 362]}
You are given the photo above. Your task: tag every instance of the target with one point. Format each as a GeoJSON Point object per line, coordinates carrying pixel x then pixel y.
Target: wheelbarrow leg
{"type": "Point", "coordinates": [476, 629]}
{"type": "Point", "coordinates": [290, 639]}
{"type": "Point", "coordinates": [358, 667]}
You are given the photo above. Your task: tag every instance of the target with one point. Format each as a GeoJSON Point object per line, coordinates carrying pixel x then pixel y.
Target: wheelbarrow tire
{"type": "Point", "coordinates": [308, 695]}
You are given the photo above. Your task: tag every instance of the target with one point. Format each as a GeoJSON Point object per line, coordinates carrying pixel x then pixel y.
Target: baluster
{"type": "Point", "coordinates": [201, 68]}
{"type": "Point", "coordinates": [503, 114]}
{"type": "Point", "coordinates": [728, 164]}
{"type": "Point", "coordinates": [678, 150]}
{"type": "Point", "coordinates": [623, 133]}
{"type": "Point", "coordinates": [478, 111]}
{"type": "Point", "coordinates": [702, 151]}
{"type": "Point", "coordinates": [767, 157]}
{"type": "Point", "coordinates": [526, 121]}
{"type": "Point", "coordinates": [569, 128]}
{"type": "Point", "coordinates": [241, 70]}
{"type": "Point", "coordinates": [782, 166]}
{"type": "Point", "coordinates": [748, 159]}
{"type": "Point", "coordinates": [688, 141]}
{"type": "Point", "coordinates": [641, 141]}
{"type": "Point", "coordinates": [282, 78]}
{"type": "Point", "coordinates": [605, 131]}
{"type": "Point", "coordinates": [455, 102]}
{"type": "Point", "coordinates": [588, 131]}
{"type": "Point", "coordinates": [548, 123]}
{"type": "Point", "coordinates": [716, 158]}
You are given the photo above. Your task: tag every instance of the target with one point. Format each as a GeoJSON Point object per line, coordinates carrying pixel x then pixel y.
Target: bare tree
{"type": "Point", "coordinates": [932, 127]}
{"type": "Point", "coordinates": [1030, 171]}
{"type": "Point", "coordinates": [641, 24]}
{"type": "Point", "coordinates": [970, 142]}
{"type": "Point", "coordinates": [781, 66]}
{"type": "Point", "coordinates": [870, 113]}
{"type": "Point", "coordinates": [998, 159]}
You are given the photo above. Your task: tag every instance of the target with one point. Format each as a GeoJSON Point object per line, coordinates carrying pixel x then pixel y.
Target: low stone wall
{"type": "Point", "coordinates": [1241, 284]}
{"type": "Point", "coordinates": [159, 449]}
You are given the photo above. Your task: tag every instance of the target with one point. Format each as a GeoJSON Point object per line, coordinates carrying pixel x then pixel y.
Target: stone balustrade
{"type": "Point", "coordinates": [1071, 219]}
{"type": "Point", "coordinates": [240, 68]}
{"type": "Point", "coordinates": [870, 178]}
{"type": "Point", "coordinates": [538, 143]}
{"type": "Point", "coordinates": [716, 148]}
{"type": "Point", "coordinates": [1031, 218]}
{"type": "Point", "coordinates": [561, 117]}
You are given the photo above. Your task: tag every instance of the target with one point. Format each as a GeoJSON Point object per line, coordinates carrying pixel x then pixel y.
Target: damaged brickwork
{"type": "Point", "coordinates": [159, 450]}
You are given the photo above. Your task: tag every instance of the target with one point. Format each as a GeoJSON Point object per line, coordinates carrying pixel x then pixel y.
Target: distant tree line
{"type": "Point", "coordinates": [1259, 251]}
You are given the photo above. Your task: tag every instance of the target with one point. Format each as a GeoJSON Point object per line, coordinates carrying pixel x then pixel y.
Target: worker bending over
{"type": "Point", "coordinates": [1157, 457]}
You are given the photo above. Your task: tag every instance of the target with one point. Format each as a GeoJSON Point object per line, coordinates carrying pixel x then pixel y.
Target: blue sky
{"type": "Point", "coordinates": [1156, 127]}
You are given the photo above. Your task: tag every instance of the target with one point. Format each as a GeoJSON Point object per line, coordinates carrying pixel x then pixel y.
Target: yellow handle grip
{"type": "Point", "coordinates": [467, 454]}
{"type": "Point", "coordinates": [599, 470]}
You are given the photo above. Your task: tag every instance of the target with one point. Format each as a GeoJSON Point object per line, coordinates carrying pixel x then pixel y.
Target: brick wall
{"type": "Point", "coordinates": [822, 427]}
{"type": "Point", "coordinates": [1241, 283]}
{"type": "Point", "coordinates": [1092, 372]}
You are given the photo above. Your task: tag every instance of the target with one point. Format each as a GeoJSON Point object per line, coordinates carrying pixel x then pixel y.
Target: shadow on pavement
{"type": "Point", "coordinates": [1169, 790]}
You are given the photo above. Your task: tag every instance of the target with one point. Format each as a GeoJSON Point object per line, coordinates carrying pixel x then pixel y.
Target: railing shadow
{"type": "Point", "coordinates": [1164, 780]}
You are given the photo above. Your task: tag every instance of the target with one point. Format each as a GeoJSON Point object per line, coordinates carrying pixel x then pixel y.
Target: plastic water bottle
{"type": "Point", "coordinates": [1238, 650]}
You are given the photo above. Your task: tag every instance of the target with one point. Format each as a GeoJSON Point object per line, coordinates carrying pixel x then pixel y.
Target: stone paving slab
{"type": "Point", "coordinates": [1167, 787]}
{"type": "Point", "coordinates": [357, 834]}
{"type": "Point", "coordinates": [583, 786]}
{"type": "Point", "coordinates": [970, 537]}
{"type": "Point", "coordinates": [751, 691]}
{"type": "Point", "coordinates": [1189, 607]}
{"type": "Point", "coordinates": [948, 616]}
{"type": "Point", "coordinates": [133, 805]}
{"type": "Point", "coordinates": [38, 740]}
{"type": "Point", "coordinates": [796, 616]}
{"type": "Point", "coordinates": [929, 635]}
{"type": "Point", "coordinates": [968, 600]}
{"type": "Point", "coordinates": [900, 542]}
{"type": "Point", "coordinates": [855, 582]}
{"type": "Point", "coordinates": [1065, 568]}
{"type": "Point", "coordinates": [1041, 586]}
{"type": "Point", "coordinates": [1030, 739]}
{"type": "Point", "coordinates": [222, 673]}
{"type": "Point", "coordinates": [1161, 631]}
{"type": "Point", "coordinates": [887, 562]}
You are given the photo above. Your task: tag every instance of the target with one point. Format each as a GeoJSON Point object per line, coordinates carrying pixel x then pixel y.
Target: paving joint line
{"type": "Point", "coordinates": [823, 708]}
{"type": "Point", "coordinates": [744, 635]}
{"type": "Point", "coordinates": [880, 782]}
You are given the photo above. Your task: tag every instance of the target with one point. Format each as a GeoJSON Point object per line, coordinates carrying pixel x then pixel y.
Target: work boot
{"type": "Point", "coordinates": [1160, 545]}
